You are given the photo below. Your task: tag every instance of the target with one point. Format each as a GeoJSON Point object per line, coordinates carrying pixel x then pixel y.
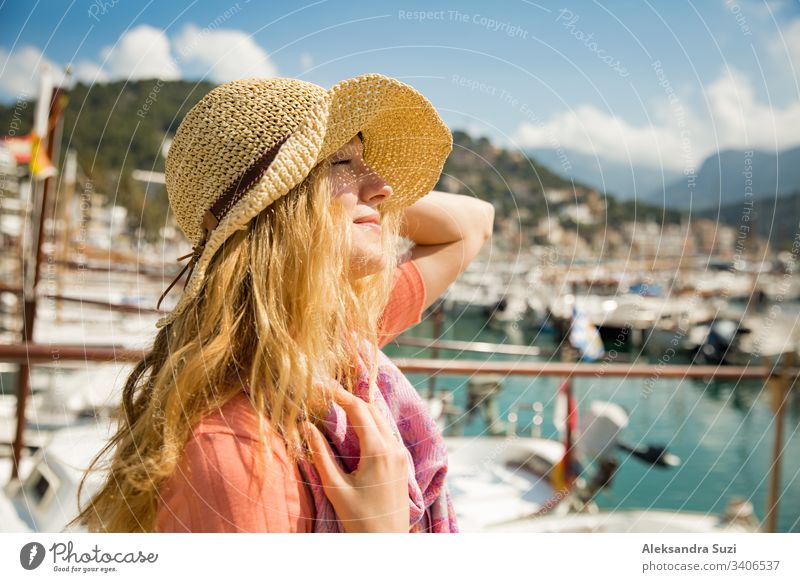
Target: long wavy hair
{"type": "Point", "coordinates": [277, 311]}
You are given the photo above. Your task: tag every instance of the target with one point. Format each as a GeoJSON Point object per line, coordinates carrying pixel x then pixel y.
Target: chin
{"type": "Point", "coordinates": [364, 268]}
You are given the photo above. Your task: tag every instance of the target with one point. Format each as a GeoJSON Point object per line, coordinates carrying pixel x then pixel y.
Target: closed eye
{"type": "Point", "coordinates": [342, 162]}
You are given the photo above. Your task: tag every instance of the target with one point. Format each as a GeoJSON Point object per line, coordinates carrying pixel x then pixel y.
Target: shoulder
{"type": "Point", "coordinates": [237, 417]}
{"type": "Point", "coordinates": [406, 303]}
{"type": "Point", "coordinates": [408, 290]}
{"type": "Point", "coordinates": [234, 425]}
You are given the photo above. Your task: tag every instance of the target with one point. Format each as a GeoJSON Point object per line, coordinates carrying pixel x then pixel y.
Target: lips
{"type": "Point", "coordinates": [371, 222]}
{"type": "Point", "coordinates": [373, 219]}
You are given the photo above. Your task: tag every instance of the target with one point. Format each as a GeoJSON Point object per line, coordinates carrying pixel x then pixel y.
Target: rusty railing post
{"type": "Point", "coordinates": [778, 383]}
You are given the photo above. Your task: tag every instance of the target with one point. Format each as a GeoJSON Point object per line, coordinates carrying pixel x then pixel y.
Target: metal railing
{"type": "Point", "coordinates": [780, 380]}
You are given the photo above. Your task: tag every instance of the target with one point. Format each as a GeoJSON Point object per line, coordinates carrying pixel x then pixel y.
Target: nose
{"type": "Point", "coordinates": [374, 189]}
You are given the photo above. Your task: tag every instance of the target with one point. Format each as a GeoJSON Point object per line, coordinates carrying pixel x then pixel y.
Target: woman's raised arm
{"type": "Point", "coordinates": [449, 231]}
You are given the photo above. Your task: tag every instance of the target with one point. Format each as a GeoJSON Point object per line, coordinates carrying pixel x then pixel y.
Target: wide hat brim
{"type": "Point", "coordinates": [405, 141]}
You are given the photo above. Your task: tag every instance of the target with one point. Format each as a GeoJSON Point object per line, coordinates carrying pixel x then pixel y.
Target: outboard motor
{"type": "Point", "coordinates": [600, 430]}
{"type": "Point", "coordinates": [599, 441]}
{"type": "Point", "coordinates": [720, 339]}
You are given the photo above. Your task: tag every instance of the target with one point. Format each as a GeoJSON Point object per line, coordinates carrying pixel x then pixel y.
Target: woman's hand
{"type": "Point", "coordinates": [374, 497]}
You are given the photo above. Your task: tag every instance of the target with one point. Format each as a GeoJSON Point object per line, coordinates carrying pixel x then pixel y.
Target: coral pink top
{"type": "Point", "coordinates": [215, 487]}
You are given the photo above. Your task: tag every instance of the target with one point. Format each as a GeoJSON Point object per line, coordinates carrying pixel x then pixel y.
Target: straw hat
{"type": "Point", "coordinates": [248, 142]}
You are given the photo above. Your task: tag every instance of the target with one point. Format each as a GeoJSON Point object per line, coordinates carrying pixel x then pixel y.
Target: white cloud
{"type": "Point", "coordinates": [141, 53]}
{"type": "Point", "coordinates": [20, 72]}
{"type": "Point", "coordinates": [145, 52]}
{"type": "Point", "coordinates": [740, 120]}
{"type": "Point", "coordinates": [735, 119]}
{"type": "Point", "coordinates": [589, 130]}
{"type": "Point", "coordinates": [89, 73]}
{"type": "Point", "coordinates": [223, 54]}
{"type": "Point", "coordinates": [787, 45]}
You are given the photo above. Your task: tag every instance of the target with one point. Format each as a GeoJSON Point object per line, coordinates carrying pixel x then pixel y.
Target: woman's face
{"type": "Point", "coordinates": [359, 189]}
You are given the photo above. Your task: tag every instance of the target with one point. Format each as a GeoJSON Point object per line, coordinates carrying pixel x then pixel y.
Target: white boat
{"type": "Point", "coordinates": [68, 421]}
{"type": "Point", "coordinates": [497, 479]}
{"type": "Point", "coordinates": [45, 497]}
{"type": "Point", "coordinates": [64, 396]}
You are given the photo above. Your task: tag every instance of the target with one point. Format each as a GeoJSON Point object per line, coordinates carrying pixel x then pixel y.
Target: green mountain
{"type": "Point", "coordinates": [120, 127]}
{"type": "Point", "coordinates": [513, 181]}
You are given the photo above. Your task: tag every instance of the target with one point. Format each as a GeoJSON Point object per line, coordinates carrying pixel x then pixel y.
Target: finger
{"type": "Point", "coordinates": [383, 424]}
{"type": "Point", "coordinates": [323, 457]}
{"type": "Point", "coordinates": [370, 439]}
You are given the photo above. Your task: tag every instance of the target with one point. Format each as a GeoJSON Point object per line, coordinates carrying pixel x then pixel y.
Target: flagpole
{"type": "Point", "coordinates": [53, 151]}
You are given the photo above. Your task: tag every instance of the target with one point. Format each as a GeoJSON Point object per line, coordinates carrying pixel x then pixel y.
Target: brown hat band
{"type": "Point", "coordinates": [222, 206]}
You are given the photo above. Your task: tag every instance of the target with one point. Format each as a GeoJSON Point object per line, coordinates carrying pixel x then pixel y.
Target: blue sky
{"type": "Point", "coordinates": [651, 83]}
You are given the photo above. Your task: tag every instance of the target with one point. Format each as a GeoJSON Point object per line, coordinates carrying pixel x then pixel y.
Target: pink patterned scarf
{"type": "Point", "coordinates": [431, 509]}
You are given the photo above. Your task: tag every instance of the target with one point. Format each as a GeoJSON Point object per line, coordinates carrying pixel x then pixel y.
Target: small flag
{"type": "Point", "coordinates": [584, 336]}
{"type": "Point", "coordinates": [563, 477]}
{"type": "Point", "coordinates": [40, 165]}
{"type": "Point", "coordinates": [20, 147]}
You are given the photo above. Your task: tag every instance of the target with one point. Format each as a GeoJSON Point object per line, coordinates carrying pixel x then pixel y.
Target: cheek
{"type": "Point", "coordinates": [342, 182]}
{"type": "Point", "coordinates": [346, 200]}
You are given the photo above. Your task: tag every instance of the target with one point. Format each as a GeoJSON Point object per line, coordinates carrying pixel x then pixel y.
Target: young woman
{"type": "Point", "coordinates": [266, 404]}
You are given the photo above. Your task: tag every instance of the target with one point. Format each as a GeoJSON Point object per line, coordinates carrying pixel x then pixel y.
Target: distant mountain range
{"type": "Point", "coordinates": [722, 180]}
{"type": "Point", "coordinates": [719, 181]}
{"type": "Point", "coordinates": [719, 187]}
{"type": "Point", "coordinates": [625, 181]}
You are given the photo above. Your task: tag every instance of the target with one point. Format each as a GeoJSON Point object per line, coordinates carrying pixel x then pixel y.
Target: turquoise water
{"type": "Point", "coordinates": [722, 431]}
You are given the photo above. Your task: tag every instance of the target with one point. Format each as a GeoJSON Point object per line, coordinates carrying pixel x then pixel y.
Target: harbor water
{"type": "Point", "coordinates": [723, 431]}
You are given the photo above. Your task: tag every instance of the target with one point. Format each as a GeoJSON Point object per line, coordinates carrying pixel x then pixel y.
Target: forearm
{"type": "Point", "coordinates": [441, 217]}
